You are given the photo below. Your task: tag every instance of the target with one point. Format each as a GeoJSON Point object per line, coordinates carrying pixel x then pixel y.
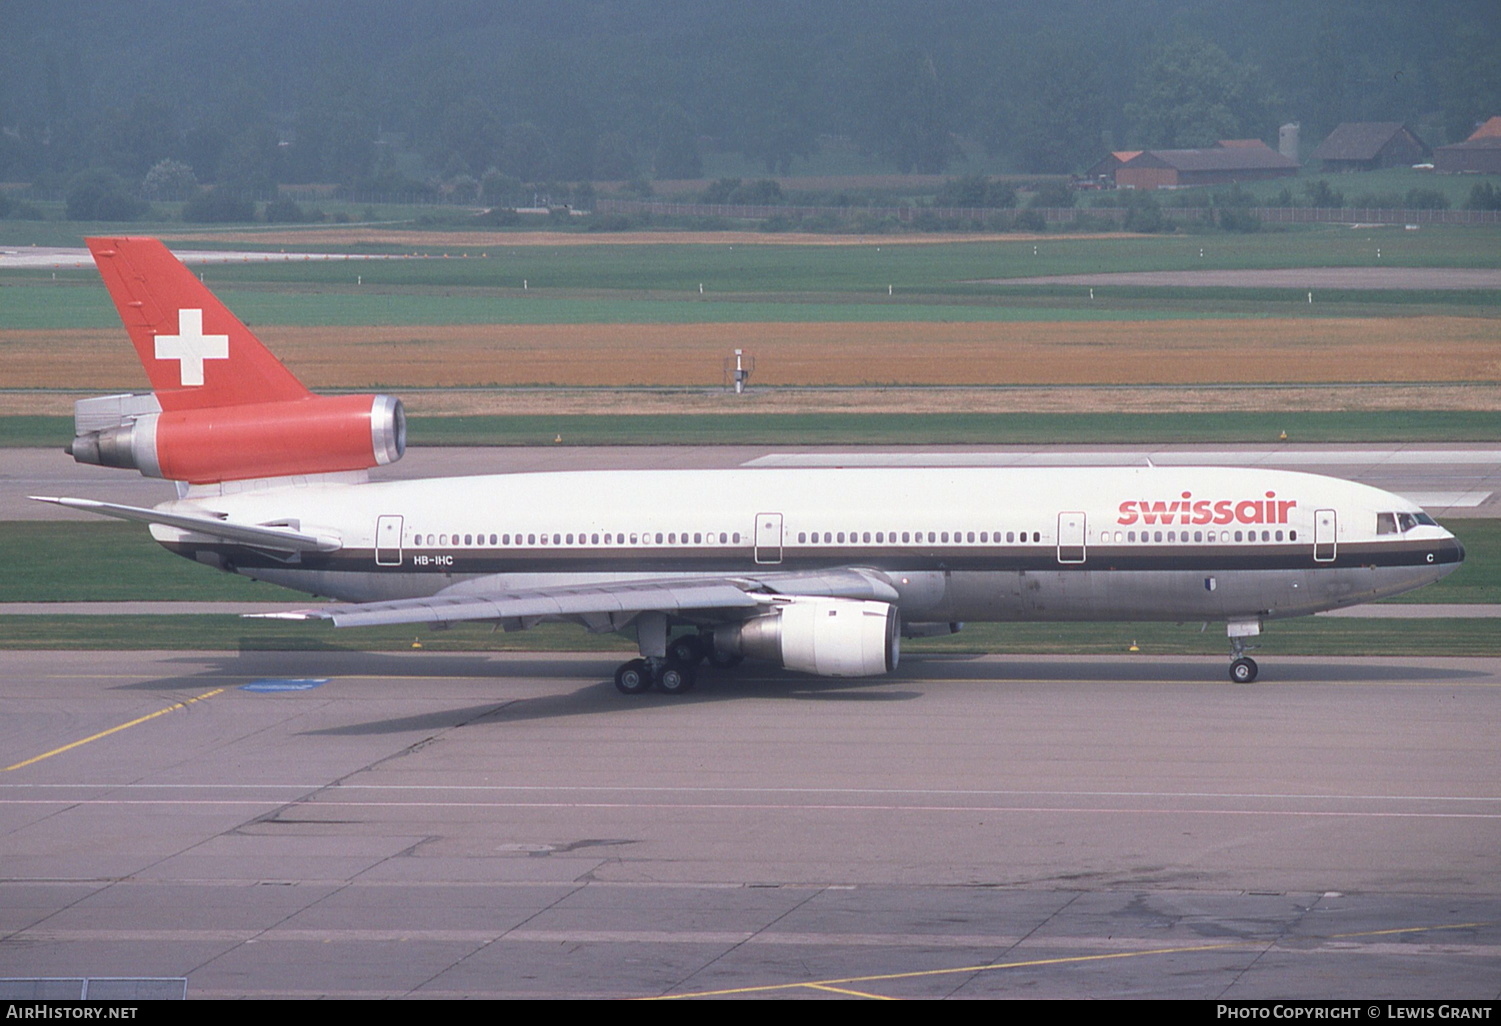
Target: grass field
{"type": "Point", "coordinates": [862, 265]}
{"type": "Point", "coordinates": [610, 314]}
{"type": "Point", "coordinates": [1307, 636]}
{"type": "Point", "coordinates": [56, 307]}
{"type": "Point", "coordinates": [601, 313]}
{"type": "Point", "coordinates": [952, 429]}
{"type": "Point", "coordinates": [53, 561]}
{"type": "Point", "coordinates": [840, 353]}
{"type": "Point", "coordinates": [57, 561]}
{"type": "Point", "coordinates": [59, 306]}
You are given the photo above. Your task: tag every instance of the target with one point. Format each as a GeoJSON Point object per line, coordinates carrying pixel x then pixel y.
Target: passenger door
{"type": "Point", "coordinates": [388, 541]}
{"type": "Point", "coordinates": [1070, 537]}
{"type": "Point", "coordinates": [1325, 535]}
{"type": "Point", "coordinates": [768, 538]}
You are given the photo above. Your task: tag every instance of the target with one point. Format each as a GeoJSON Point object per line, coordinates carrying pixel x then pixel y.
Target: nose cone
{"type": "Point", "coordinates": [1449, 554]}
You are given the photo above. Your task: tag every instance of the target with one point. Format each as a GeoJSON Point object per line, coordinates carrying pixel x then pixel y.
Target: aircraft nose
{"type": "Point", "coordinates": [1450, 551]}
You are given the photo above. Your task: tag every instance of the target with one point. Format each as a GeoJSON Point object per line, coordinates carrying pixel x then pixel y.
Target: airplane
{"type": "Point", "coordinates": [819, 570]}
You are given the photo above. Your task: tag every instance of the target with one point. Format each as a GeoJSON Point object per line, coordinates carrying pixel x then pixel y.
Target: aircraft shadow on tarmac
{"type": "Point", "coordinates": [595, 699]}
{"type": "Point", "coordinates": [911, 681]}
{"type": "Point", "coordinates": [917, 669]}
{"type": "Point", "coordinates": [1204, 670]}
{"type": "Point", "coordinates": [603, 699]}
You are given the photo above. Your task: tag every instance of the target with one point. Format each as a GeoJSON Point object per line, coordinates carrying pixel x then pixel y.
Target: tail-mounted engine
{"type": "Point", "coordinates": [313, 435]}
{"type": "Point", "coordinates": [831, 637]}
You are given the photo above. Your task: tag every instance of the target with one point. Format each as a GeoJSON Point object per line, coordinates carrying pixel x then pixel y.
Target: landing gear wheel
{"type": "Point", "coordinates": [724, 660]}
{"type": "Point", "coordinates": [687, 649]}
{"type": "Point", "coordinates": [1243, 670]}
{"type": "Point", "coordinates": [633, 678]}
{"type": "Point", "coordinates": [675, 679]}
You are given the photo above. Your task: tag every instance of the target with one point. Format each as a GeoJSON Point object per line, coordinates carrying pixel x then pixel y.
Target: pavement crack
{"type": "Point", "coordinates": [1006, 952]}
{"type": "Point", "coordinates": [737, 945]}
{"type": "Point", "coordinates": [1282, 932]}
{"type": "Point", "coordinates": [416, 991]}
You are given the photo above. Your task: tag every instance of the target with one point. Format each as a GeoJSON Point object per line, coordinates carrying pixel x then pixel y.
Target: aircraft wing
{"type": "Point", "coordinates": [602, 606]}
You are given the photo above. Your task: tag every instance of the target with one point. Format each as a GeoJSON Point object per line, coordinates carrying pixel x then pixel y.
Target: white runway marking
{"type": "Point", "coordinates": [59, 258]}
{"type": "Point", "coordinates": [691, 799]}
{"type": "Point", "coordinates": [882, 791]}
{"type": "Point", "coordinates": [1466, 500]}
{"type": "Point", "coordinates": [1275, 456]}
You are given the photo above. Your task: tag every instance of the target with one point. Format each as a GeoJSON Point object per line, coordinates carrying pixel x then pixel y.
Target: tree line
{"type": "Point", "coordinates": [383, 96]}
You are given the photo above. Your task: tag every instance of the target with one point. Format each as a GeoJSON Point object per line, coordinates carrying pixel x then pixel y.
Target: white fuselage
{"type": "Point", "coordinates": [956, 544]}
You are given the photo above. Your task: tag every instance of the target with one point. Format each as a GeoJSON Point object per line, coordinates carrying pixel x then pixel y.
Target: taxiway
{"type": "Point", "coordinates": [372, 825]}
{"type": "Point", "coordinates": [1454, 480]}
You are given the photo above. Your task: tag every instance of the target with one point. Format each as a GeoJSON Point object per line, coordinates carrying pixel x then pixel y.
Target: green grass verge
{"type": "Point", "coordinates": [870, 264]}
{"type": "Point", "coordinates": [66, 561]}
{"type": "Point", "coordinates": [1479, 579]}
{"type": "Point", "coordinates": [1230, 301]}
{"type": "Point", "coordinates": [1371, 426]}
{"type": "Point", "coordinates": [226, 632]}
{"type": "Point", "coordinates": [35, 432]}
{"type": "Point", "coordinates": [1308, 636]}
{"type": "Point", "coordinates": [1304, 636]}
{"type": "Point", "coordinates": [48, 306]}
{"type": "Point", "coordinates": [864, 268]}
{"type": "Point", "coordinates": [956, 429]}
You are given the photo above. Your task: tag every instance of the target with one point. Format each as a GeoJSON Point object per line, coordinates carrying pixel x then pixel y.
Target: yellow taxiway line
{"type": "Point", "coordinates": [835, 985]}
{"type": "Point", "coordinates": [115, 730]}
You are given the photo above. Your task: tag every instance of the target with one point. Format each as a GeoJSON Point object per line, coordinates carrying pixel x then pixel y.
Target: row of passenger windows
{"type": "Point", "coordinates": [595, 538]}
{"type": "Point", "coordinates": [910, 537]}
{"type": "Point", "coordinates": [711, 538]}
{"type": "Point", "coordinates": [443, 540]}
{"type": "Point", "coordinates": [1106, 537]}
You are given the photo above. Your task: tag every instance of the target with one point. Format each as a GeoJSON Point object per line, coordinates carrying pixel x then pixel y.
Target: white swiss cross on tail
{"type": "Point", "coordinates": [190, 347]}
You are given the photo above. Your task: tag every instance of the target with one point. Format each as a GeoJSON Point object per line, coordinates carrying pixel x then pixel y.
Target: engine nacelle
{"type": "Point", "coordinates": [831, 637]}
{"type": "Point", "coordinates": [316, 435]}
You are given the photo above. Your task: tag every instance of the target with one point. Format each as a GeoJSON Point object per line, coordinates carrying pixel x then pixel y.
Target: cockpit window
{"type": "Point", "coordinates": [1401, 523]}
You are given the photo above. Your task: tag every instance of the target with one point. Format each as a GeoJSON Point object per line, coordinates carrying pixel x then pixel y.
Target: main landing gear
{"type": "Point", "coordinates": [668, 664]}
{"type": "Point", "coordinates": [670, 676]}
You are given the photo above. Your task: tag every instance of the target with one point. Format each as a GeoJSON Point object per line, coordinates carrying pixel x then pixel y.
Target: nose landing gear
{"type": "Point", "coordinates": [1243, 668]}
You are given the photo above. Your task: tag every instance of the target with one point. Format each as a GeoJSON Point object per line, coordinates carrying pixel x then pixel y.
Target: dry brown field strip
{"type": "Point", "coordinates": [1252, 351]}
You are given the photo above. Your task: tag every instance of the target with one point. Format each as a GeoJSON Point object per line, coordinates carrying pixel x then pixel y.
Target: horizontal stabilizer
{"type": "Point", "coordinates": [279, 538]}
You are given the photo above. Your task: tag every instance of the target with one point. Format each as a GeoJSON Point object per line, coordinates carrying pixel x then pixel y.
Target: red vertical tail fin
{"type": "Point", "coordinates": [196, 353]}
{"type": "Point", "coordinates": [225, 409]}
